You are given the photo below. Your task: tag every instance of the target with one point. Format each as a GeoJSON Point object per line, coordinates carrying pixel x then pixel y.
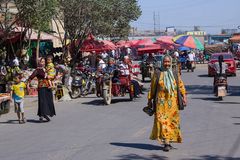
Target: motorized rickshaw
{"type": "Point", "coordinates": [115, 85]}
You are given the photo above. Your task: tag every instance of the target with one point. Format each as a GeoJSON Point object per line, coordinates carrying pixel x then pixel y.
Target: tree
{"type": "Point", "coordinates": [103, 18]}
{"type": "Point", "coordinates": [37, 14]}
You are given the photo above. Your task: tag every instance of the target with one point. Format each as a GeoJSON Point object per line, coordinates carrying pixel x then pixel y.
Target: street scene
{"type": "Point", "coordinates": [119, 80]}
{"type": "Point", "coordinates": [87, 129]}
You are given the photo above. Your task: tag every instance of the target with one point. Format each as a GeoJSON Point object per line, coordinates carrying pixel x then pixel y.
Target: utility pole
{"type": "Point", "coordinates": [159, 23]}
{"type": "Point", "coordinates": [154, 22]}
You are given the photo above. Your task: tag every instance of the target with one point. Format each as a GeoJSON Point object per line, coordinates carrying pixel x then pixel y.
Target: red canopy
{"type": "Point", "coordinates": [91, 44]}
{"type": "Point", "coordinates": [142, 42]}
{"type": "Point", "coordinates": [150, 49]}
{"type": "Point", "coordinates": [166, 42]}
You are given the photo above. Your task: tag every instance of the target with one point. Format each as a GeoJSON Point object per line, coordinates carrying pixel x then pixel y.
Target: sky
{"type": "Point", "coordinates": [211, 15]}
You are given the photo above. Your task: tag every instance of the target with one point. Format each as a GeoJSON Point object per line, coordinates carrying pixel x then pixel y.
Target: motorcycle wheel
{"type": "Point", "coordinates": [76, 92]}
{"type": "Point", "coordinates": [107, 96]}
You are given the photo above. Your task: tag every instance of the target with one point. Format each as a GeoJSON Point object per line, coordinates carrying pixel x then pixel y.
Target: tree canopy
{"type": "Point", "coordinates": [102, 18]}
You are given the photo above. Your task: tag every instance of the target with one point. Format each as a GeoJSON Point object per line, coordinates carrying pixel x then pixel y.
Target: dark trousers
{"type": "Point", "coordinates": [136, 87]}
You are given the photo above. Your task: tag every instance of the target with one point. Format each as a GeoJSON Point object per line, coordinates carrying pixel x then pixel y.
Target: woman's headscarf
{"type": "Point", "coordinates": [168, 77]}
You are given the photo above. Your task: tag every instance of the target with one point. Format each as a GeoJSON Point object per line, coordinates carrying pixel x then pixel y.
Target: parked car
{"type": "Point", "coordinates": [228, 59]}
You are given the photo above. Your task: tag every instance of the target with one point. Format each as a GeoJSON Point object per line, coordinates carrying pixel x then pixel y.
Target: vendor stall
{"type": "Point", "coordinates": [4, 103]}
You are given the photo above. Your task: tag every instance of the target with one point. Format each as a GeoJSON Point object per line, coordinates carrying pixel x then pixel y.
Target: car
{"type": "Point", "coordinates": [228, 59]}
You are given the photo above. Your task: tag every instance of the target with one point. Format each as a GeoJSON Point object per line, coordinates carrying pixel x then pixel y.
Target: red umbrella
{"type": "Point", "coordinates": [166, 42]}
{"type": "Point", "coordinates": [109, 45]}
{"type": "Point", "coordinates": [165, 39]}
{"type": "Point", "coordinates": [150, 49]}
{"type": "Point", "coordinates": [92, 44]}
{"type": "Point", "coordinates": [123, 43]}
{"type": "Point", "coordinates": [143, 42]}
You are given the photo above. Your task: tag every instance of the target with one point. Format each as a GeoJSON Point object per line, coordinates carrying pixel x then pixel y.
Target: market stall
{"type": "Point", "coordinates": [4, 103]}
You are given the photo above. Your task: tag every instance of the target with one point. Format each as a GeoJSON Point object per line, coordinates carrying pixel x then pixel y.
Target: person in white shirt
{"type": "Point", "coordinates": [176, 54]}
{"type": "Point", "coordinates": [124, 67]}
{"type": "Point", "coordinates": [104, 55]}
{"type": "Point", "coordinates": [191, 57]}
{"type": "Point", "coordinates": [101, 64]}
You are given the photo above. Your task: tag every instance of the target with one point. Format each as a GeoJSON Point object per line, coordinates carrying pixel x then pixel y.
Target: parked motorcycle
{"type": "Point", "coordinates": [78, 86]}
{"type": "Point", "coordinates": [220, 87]}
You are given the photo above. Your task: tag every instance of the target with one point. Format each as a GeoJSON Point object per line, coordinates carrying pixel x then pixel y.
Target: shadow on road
{"type": "Point", "coordinates": [208, 89]}
{"type": "Point", "coordinates": [138, 157]}
{"type": "Point", "coordinates": [234, 90]}
{"type": "Point", "coordinates": [221, 102]}
{"type": "Point", "coordinates": [212, 157]}
{"type": "Point", "coordinates": [138, 146]}
{"type": "Point", "coordinates": [199, 89]}
{"type": "Point", "coordinates": [207, 98]}
{"type": "Point", "coordinates": [157, 157]}
{"type": "Point", "coordinates": [203, 75]}
{"type": "Point", "coordinates": [99, 102]}
{"type": "Point", "coordinates": [236, 124]}
{"type": "Point", "coordinates": [10, 122]}
{"type": "Point", "coordinates": [35, 121]}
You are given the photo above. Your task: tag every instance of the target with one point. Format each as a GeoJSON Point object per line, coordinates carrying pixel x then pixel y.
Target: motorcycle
{"type": "Point", "coordinates": [91, 81]}
{"type": "Point", "coordinates": [220, 87]}
{"type": "Point", "coordinates": [78, 86]}
{"type": "Point", "coordinates": [190, 65]}
{"type": "Point", "coordinates": [114, 84]}
{"type": "Point", "coordinates": [147, 70]}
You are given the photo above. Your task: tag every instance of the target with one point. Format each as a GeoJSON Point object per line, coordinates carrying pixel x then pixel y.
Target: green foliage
{"type": "Point", "coordinates": [102, 18]}
{"type": "Point", "coordinates": [37, 13]}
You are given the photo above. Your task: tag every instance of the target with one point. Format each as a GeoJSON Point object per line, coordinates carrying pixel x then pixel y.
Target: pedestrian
{"type": "Point", "coordinates": [17, 96]}
{"type": "Point", "coordinates": [166, 127]}
{"type": "Point", "coordinates": [45, 97]}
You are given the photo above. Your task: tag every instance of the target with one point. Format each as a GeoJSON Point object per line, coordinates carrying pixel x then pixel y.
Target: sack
{"type": "Point", "coordinates": [148, 110]}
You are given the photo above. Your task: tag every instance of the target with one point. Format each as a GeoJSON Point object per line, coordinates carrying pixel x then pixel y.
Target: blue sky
{"type": "Point", "coordinates": [212, 15]}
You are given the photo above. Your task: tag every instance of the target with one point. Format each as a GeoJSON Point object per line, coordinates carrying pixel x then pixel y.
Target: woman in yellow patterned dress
{"type": "Point", "coordinates": [166, 127]}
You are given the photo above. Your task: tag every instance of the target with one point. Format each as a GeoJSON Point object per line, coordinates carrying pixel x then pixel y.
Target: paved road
{"type": "Point", "coordinates": [85, 129]}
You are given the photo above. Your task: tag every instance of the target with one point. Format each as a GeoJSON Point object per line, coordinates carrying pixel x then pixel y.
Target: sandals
{"type": "Point", "coordinates": [168, 147]}
{"type": "Point", "coordinates": [47, 118]}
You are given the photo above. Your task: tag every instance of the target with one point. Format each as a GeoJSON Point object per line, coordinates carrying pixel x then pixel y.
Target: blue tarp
{"type": "Point", "coordinates": [182, 48]}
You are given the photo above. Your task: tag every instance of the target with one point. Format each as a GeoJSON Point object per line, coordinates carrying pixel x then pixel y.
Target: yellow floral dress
{"type": "Point", "coordinates": [166, 125]}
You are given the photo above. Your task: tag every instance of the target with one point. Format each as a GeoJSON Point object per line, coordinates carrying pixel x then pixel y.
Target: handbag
{"type": "Point", "coordinates": [150, 110]}
{"type": "Point", "coordinates": [181, 105]}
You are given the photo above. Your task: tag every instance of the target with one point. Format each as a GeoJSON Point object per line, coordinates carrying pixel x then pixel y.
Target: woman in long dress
{"type": "Point", "coordinates": [45, 96]}
{"type": "Point", "coordinates": [166, 127]}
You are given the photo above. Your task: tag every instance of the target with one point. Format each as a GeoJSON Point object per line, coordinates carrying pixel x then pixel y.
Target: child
{"type": "Point", "coordinates": [51, 71]}
{"type": "Point", "coordinates": [17, 94]}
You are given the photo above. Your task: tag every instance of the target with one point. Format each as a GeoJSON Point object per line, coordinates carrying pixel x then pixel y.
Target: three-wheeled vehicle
{"type": "Point", "coordinates": [115, 85]}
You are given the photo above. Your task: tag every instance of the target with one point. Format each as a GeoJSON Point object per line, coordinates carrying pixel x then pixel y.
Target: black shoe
{"type": "Point", "coordinates": [47, 118]}
{"type": "Point", "coordinates": [166, 148]}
